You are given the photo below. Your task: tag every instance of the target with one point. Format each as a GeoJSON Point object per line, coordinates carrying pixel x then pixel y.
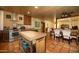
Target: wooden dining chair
{"type": "Point", "coordinates": [74, 35]}
{"type": "Point", "coordinates": [67, 35]}
{"type": "Point", "coordinates": [57, 33]}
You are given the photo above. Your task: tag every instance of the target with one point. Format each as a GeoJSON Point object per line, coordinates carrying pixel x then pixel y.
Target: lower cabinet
{"type": "Point", "coordinates": [4, 36]}
{"type": "Point", "coordinates": [1, 36]}
{"type": "Point", "coordinates": [40, 45]}
{"type": "Point", "coordinates": [36, 46]}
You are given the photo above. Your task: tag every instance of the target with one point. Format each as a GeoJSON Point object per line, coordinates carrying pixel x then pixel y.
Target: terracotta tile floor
{"type": "Point", "coordinates": [52, 46]}
{"type": "Point", "coordinates": [55, 46]}
{"type": "Point", "coordinates": [10, 47]}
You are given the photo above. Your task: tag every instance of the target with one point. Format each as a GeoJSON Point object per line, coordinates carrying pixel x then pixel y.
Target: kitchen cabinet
{"type": "Point", "coordinates": [1, 36]}
{"type": "Point", "coordinates": [27, 20]}
{"type": "Point", "coordinates": [4, 36]}
{"type": "Point", "coordinates": [40, 45]}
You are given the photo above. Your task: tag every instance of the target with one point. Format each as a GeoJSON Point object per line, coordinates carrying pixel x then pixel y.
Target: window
{"type": "Point", "coordinates": [8, 16]}
{"type": "Point", "coordinates": [20, 18]}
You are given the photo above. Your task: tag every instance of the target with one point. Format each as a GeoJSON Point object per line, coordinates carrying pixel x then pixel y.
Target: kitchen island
{"type": "Point", "coordinates": [37, 39]}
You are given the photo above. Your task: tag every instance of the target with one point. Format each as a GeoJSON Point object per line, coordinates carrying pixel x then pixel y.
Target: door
{"type": "Point", "coordinates": [42, 26]}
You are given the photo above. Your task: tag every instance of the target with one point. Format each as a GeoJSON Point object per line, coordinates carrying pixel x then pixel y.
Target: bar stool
{"type": "Point", "coordinates": [25, 47]}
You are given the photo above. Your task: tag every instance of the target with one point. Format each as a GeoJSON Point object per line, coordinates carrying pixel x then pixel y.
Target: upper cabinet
{"type": "Point", "coordinates": [27, 20]}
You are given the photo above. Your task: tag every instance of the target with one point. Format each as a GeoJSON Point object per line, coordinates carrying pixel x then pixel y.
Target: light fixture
{"type": "Point", "coordinates": [36, 7]}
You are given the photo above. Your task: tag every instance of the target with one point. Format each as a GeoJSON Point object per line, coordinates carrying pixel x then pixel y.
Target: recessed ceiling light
{"type": "Point", "coordinates": [36, 7]}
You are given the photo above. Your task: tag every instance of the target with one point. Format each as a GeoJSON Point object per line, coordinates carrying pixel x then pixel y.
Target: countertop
{"type": "Point", "coordinates": [32, 35]}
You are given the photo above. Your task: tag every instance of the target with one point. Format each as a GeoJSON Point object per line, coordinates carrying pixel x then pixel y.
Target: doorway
{"type": "Point", "coordinates": [42, 26]}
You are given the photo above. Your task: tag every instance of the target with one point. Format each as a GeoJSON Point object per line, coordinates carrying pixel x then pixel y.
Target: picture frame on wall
{"type": "Point", "coordinates": [37, 24]}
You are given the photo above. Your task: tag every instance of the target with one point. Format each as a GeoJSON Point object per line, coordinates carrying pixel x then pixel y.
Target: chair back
{"type": "Point", "coordinates": [66, 34]}
{"type": "Point", "coordinates": [57, 32]}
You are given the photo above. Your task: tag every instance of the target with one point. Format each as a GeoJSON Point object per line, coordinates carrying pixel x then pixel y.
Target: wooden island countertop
{"type": "Point", "coordinates": [32, 35]}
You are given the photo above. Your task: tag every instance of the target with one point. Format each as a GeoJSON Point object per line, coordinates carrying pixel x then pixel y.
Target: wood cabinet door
{"type": "Point", "coordinates": [5, 36]}
{"type": "Point", "coordinates": [1, 36]}
{"type": "Point", "coordinates": [40, 45]}
{"type": "Point", "coordinates": [27, 20]}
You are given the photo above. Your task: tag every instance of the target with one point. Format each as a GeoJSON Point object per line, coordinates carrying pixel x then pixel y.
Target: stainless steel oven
{"type": "Point", "coordinates": [12, 35]}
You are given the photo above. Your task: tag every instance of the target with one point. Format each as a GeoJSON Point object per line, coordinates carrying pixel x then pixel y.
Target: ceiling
{"type": "Point", "coordinates": [41, 10]}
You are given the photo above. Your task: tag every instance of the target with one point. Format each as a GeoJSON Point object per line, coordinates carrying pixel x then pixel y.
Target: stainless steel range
{"type": "Point", "coordinates": [12, 35]}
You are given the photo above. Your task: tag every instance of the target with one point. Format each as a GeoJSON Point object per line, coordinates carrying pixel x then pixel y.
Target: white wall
{"type": "Point", "coordinates": [48, 24]}
{"type": "Point", "coordinates": [1, 19]}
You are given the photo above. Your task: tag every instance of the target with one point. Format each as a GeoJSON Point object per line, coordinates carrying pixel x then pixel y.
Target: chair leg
{"type": "Point", "coordinates": [58, 39]}
{"type": "Point", "coordinates": [69, 41]}
{"type": "Point", "coordinates": [62, 39]}
{"type": "Point", "coordinates": [54, 36]}
{"type": "Point", "coordinates": [76, 42]}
